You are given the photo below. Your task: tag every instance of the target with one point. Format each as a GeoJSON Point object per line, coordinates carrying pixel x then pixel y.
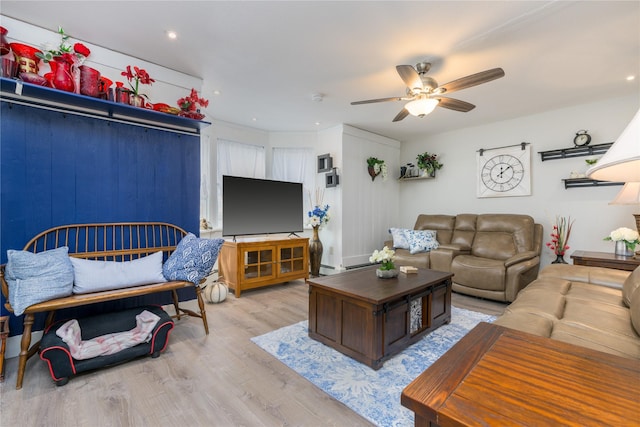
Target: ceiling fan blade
{"type": "Point", "coordinates": [401, 115]}
{"type": "Point", "coordinates": [409, 76]}
{"type": "Point", "coordinates": [455, 104]}
{"type": "Point", "coordinates": [371, 101]}
{"type": "Point", "coordinates": [472, 80]}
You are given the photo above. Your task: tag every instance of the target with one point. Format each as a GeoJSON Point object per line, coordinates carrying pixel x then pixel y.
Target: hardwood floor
{"type": "Point", "coordinates": [222, 379]}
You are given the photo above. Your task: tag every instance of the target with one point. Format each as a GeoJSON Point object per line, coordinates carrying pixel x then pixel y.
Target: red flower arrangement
{"type": "Point", "coordinates": [560, 235]}
{"type": "Point", "coordinates": [189, 105]}
{"type": "Point", "coordinates": [140, 76]}
{"type": "Point", "coordinates": [50, 53]}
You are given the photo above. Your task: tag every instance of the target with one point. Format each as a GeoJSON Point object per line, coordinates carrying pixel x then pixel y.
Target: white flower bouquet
{"type": "Point", "coordinates": [384, 256]}
{"type": "Point", "coordinates": [630, 237]}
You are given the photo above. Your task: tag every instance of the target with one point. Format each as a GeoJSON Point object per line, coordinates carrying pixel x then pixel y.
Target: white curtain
{"type": "Point", "coordinates": [296, 165]}
{"type": "Point", "coordinates": [237, 159]}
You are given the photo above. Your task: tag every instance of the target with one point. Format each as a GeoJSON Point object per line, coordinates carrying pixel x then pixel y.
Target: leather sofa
{"type": "Point", "coordinates": [593, 307]}
{"type": "Point", "coordinates": [492, 256]}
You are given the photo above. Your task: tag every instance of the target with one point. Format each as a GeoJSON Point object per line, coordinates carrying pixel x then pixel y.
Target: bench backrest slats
{"type": "Point", "coordinates": [110, 242]}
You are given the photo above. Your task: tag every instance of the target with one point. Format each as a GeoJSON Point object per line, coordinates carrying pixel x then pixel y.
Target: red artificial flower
{"type": "Point", "coordinates": [81, 49]}
{"type": "Point", "coordinates": [139, 75]}
{"type": "Point", "coordinates": [119, 84]}
{"type": "Point", "coordinates": [189, 103]}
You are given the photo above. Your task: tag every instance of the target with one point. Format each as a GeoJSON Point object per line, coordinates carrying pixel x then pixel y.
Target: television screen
{"type": "Point", "coordinates": [260, 206]}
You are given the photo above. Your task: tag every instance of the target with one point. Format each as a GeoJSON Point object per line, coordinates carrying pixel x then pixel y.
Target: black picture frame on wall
{"type": "Point", "coordinates": [332, 179]}
{"type": "Point", "coordinates": [325, 163]}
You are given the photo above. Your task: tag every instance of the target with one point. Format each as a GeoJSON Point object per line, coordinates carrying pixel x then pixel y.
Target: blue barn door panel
{"type": "Point", "coordinates": [59, 168]}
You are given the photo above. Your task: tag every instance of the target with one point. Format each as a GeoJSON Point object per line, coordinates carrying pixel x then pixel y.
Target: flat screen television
{"type": "Point", "coordinates": [260, 206]}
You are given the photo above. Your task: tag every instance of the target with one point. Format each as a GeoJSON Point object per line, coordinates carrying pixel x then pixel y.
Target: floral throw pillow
{"type": "Point", "coordinates": [399, 238]}
{"type": "Point", "coordinates": [37, 277]}
{"type": "Point", "coordinates": [421, 240]}
{"type": "Point", "coordinates": [193, 259]}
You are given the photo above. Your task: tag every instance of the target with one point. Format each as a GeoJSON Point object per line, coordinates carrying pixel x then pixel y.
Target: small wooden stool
{"type": "Point", "coordinates": [4, 333]}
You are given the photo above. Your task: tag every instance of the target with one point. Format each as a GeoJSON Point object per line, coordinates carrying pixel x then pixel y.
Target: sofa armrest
{"type": "Point", "coordinates": [521, 257]}
{"type": "Point", "coordinates": [442, 257]}
{"type": "Point", "coordinates": [389, 244]}
{"type": "Point", "coordinates": [580, 273]}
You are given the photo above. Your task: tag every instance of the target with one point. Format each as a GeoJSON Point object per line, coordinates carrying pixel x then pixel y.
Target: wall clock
{"type": "Point", "coordinates": [505, 171]}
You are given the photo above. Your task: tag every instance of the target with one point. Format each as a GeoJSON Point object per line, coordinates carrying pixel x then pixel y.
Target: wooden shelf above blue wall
{"type": "Point", "coordinates": [24, 93]}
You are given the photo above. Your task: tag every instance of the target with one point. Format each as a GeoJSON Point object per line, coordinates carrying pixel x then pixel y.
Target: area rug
{"type": "Point", "coordinates": [373, 394]}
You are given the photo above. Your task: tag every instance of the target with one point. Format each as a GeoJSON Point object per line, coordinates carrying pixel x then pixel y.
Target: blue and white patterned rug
{"type": "Point", "coordinates": [373, 394]}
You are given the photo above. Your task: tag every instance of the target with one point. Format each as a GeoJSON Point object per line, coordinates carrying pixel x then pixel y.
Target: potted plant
{"type": "Point", "coordinates": [429, 163]}
{"type": "Point", "coordinates": [376, 167]}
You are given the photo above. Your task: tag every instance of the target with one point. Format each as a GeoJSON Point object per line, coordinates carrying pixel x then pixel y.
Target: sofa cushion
{"type": "Point", "coordinates": [480, 273]}
{"type": "Point", "coordinates": [530, 322]}
{"type": "Point", "coordinates": [193, 259]}
{"type": "Point", "coordinates": [630, 285]}
{"type": "Point", "coordinates": [94, 275]}
{"type": "Point", "coordinates": [442, 224]}
{"type": "Point", "coordinates": [501, 236]}
{"type": "Point", "coordinates": [37, 277]}
{"type": "Point", "coordinates": [399, 238]}
{"type": "Point", "coordinates": [421, 240]}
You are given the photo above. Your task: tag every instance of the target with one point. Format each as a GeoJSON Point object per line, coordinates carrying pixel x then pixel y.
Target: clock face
{"type": "Point", "coordinates": [581, 139]}
{"type": "Point", "coordinates": [502, 173]}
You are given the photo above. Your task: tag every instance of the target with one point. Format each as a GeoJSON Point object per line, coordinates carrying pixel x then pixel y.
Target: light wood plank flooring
{"type": "Point", "coordinates": [218, 380]}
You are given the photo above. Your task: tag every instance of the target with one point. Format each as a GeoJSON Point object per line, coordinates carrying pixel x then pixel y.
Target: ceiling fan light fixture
{"type": "Point", "coordinates": [421, 107]}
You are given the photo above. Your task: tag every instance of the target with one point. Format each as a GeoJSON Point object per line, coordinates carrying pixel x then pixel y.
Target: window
{"type": "Point", "coordinates": [296, 165]}
{"type": "Point", "coordinates": [237, 159]}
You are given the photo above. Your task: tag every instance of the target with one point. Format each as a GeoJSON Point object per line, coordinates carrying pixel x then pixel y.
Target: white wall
{"type": "Point", "coordinates": [454, 189]}
{"type": "Point", "coordinates": [369, 207]}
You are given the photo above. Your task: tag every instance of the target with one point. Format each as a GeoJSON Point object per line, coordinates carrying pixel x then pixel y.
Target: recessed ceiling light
{"type": "Point", "coordinates": [172, 35]}
{"type": "Point", "coordinates": [317, 123]}
{"type": "Point", "coordinates": [216, 92]}
{"type": "Point", "coordinates": [630, 78]}
{"type": "Point", "coordinates": [255, 119]}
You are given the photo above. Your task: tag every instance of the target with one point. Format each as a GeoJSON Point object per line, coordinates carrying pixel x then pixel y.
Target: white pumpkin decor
{"type": "Point", "coordinates": [215, 292]}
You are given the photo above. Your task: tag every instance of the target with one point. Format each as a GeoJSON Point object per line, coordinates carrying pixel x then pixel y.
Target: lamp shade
{"type": "Point", "coordinates": [621, 163]}
{"type": "Point", "coordinates": [629, 195]}
{"type": "Point", "coordinates": [421, 107]}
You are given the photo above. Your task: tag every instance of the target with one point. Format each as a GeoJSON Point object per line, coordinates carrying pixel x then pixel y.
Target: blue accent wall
{"type": "Point", "coordinates": [59, 168]}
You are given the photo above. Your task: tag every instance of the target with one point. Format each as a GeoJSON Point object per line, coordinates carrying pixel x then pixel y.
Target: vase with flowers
{"type": "Point", "coordinates": [317, 217]}
{"type": "Point", "coordinates": [64, 61]}
{"type": "Point", "coordinates": [384, 257]}
{"type": "Point", "coordinates": [429, 163]}
{"type": "Point", "coordinates": [136, 78]}
{"type": "Point", "coordinates": [189, 105]}
{"type": "Point", "coordinates": [559, 238]}
{"type": "Point", "coordinates": [626, 240]}
{"type": "Point", "coordinates": [376, 167]}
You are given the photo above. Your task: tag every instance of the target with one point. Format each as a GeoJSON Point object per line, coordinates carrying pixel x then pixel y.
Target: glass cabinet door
{"type": "Point", "coordinates": [258, 263]}
{"type": "Point", "coordinates": [292, 260]}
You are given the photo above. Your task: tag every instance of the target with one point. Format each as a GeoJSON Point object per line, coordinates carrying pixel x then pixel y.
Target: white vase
{"type": "Point", "coordinates": [622, 249]}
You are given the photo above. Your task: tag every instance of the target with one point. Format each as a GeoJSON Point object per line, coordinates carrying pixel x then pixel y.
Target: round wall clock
{"type": "Point", "coordinates": [504, 172]}
{"type": "Point", "coordinates": [581, 138]}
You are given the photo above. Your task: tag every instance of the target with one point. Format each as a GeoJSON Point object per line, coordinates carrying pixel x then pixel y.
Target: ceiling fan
{"type": "Point", "coordinates": [424, 93]}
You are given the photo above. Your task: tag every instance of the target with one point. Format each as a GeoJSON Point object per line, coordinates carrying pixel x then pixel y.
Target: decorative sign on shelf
{"type": "Point", "coordinates": [504, 171]}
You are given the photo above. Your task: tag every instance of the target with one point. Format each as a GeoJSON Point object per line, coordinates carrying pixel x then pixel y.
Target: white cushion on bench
{"type": "Point", "coordinates": [94, 276]}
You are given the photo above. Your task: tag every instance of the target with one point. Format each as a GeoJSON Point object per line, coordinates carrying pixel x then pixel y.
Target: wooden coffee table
{"type": "Point", "coordinates": [370, 319]}
{"type": "Point", "coordinates": [500, 376]}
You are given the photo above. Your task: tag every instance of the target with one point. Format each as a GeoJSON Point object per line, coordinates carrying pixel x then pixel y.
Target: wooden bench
{"type": "Point", "coordinates": [104, 242]}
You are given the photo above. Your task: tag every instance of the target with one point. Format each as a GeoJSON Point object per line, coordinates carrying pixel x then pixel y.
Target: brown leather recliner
{"type": "Point", "coordinates": [504, 257]}
{"type": "Point", "coordinates": [492, 256]}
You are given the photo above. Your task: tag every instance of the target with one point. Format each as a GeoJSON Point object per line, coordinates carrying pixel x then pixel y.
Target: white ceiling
{"type": "Point", "coordinates": [267, 58]}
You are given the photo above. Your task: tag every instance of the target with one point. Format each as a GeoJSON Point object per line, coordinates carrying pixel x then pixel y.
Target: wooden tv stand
{"type": "Point", "coordinates": [254, 263]}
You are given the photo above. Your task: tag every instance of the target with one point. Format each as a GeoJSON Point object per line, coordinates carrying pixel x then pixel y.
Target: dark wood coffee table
{"type": "Point", "coordinates": [370, 319]}
{"type": "Point", "coordinates": [496, 376]}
